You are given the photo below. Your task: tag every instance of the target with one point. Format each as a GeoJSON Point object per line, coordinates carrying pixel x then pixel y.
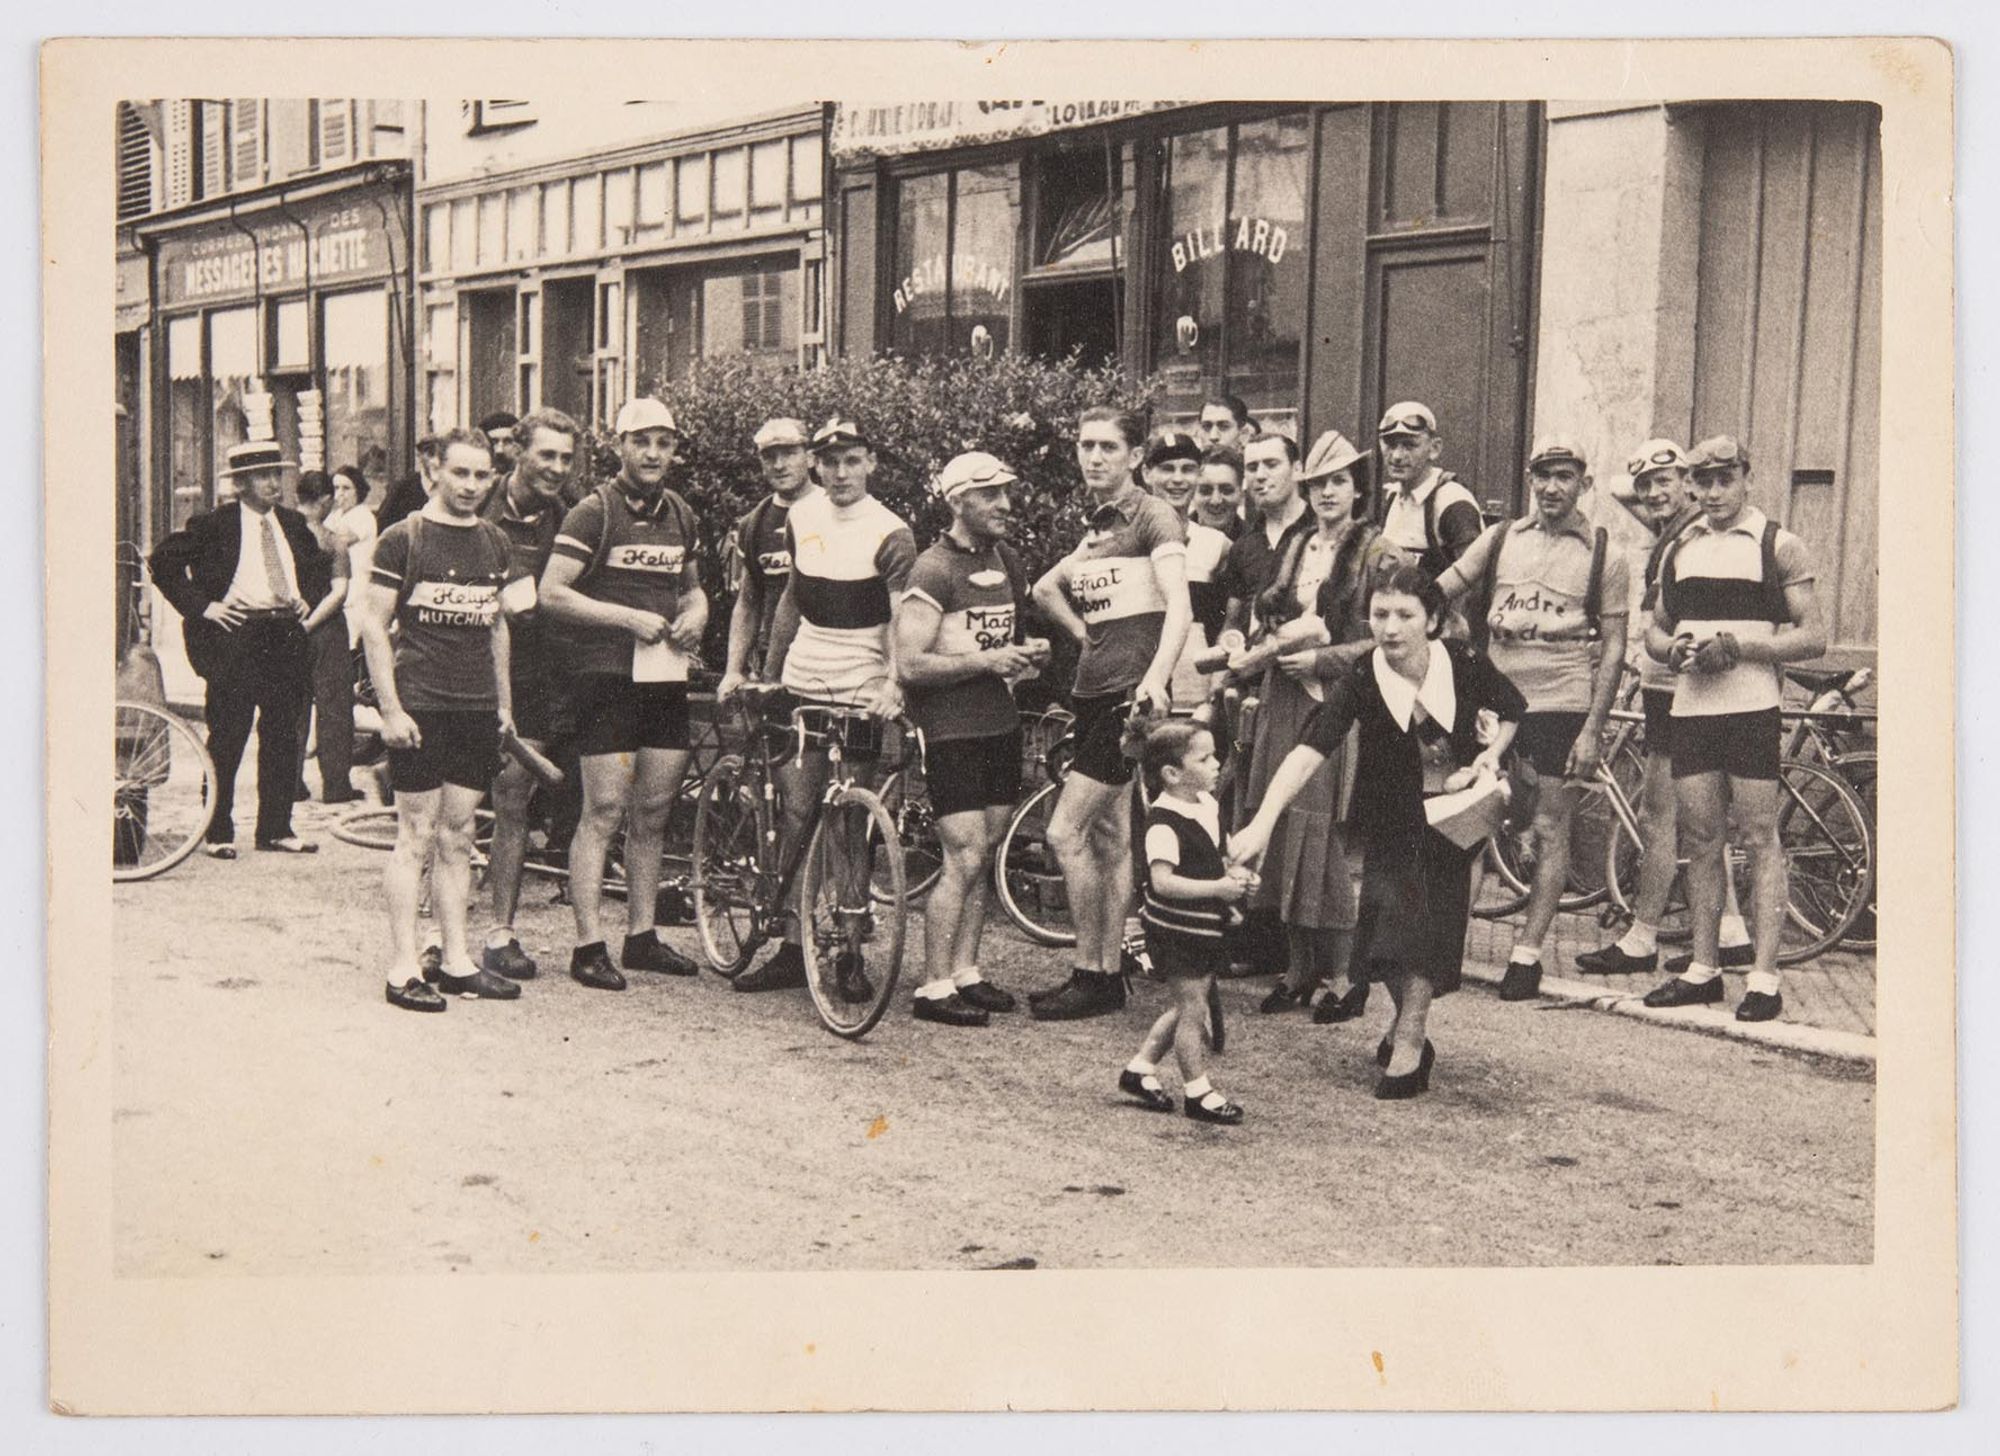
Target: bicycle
{"type": "Point", "coordinates": [745, 876]}
{"type": "Point", "coordinates": [1825, 739]}
{"type": "Point", "coordinates": [163, 781]}
{"type": "Point", "coordinates": [906, 795]}
{"type": "Point", "coordinates": [1828, 842]}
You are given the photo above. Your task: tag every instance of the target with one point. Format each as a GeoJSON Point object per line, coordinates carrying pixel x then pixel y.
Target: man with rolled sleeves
{"type": "Point", "coordinates": [623, 583]}
{"type": "Point", "coordinates": [1736, 605]}
{"type": "Point", "coordinates": [1550, 600]}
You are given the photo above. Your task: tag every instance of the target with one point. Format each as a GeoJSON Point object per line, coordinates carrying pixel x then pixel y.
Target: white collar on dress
{"type": "Point", "coordinates": [1438, 693]}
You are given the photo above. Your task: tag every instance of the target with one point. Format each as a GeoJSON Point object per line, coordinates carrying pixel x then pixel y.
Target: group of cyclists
{"type": "Point", "coordinates": [1400, 651]}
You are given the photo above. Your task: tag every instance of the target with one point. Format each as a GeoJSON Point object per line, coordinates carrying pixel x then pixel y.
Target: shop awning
{"type": "Point", "coordinates": [884, 129]}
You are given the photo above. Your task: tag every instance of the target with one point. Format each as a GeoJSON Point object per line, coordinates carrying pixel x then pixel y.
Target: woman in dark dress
{"type": "Point", "coordinates": [1433, 715]}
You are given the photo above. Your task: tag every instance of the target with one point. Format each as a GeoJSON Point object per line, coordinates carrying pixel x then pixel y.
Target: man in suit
{"type": "Point", "coordinates": [244, 576]}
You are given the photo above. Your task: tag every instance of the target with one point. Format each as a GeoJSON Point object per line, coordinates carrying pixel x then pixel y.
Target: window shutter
{"type": "Point", "coordinates": [247, 141]}
{"type": "Point", "coordinates": [212, 137]}
{"type": "Point", "coordinates": [180, 152]}
{"type": "Point", "coordinates": [135, 163]}
{"type": "Point", "coordinates": [336, 132]}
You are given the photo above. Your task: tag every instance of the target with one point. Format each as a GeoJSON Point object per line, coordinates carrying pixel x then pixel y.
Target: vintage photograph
{"type": "Point", "coordinates": [791, 682]}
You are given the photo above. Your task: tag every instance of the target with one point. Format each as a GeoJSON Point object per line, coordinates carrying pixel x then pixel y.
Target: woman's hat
{"type": "Point", "coordinates": [1330, 452]}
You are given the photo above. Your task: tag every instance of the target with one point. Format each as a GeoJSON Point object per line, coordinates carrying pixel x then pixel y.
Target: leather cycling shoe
{"type": "Point", "coordinates": [1154, 1098]}
{"type": "Point", "coordinates": [1613, 960]}
{"type": "Point", "coordinates": [1760, 1006]}
{"type": "Point", "coordinates": [509, 960]}
{"type": "Point", "coordinates": [783, 971]}
{"type": "Point", "coordinates": [1522, 982]}
{"type": "Point", "coordinates": [1049, 993]}
{"type": "Point", "coordinates": [479, 986]}
{"type": "Point", "coordinates": [1732, 958]}
{"type": "Point", "coordinates": [414, 995]}
{"type": "Point", "coordinates": [1225, 1113]}
{"type": "Point", "coordinates": [1679, 992]}
{"type": "Point", "coordinates": [952, 1010]}
{"type": "Point", "coordinates": [986, 996]}
{"type": "Point", "coordinates": [647, 952]}
{"type": "Point", "coordinates": [594, 969]}
{"type": "Point", "coordinates": [1089, 993]}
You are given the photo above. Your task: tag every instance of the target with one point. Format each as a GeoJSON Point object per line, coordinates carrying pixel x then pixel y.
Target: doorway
{"type": "Point", "coordinates": [1078, 316]}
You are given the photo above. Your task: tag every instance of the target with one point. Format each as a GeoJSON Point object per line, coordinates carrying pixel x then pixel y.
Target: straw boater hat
{"type": "Point", "coordinates": [256, 455]}
{"type": "Point", "coordinates": [1330, 452]}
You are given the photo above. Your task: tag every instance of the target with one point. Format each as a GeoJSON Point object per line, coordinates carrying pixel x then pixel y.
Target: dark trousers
{"type": "Point", "coordinates": [329, 699]}
{"type": "Point", "coordinates": [263, 679]}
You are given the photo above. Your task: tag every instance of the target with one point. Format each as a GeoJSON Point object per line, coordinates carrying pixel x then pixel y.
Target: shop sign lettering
{"type": "Point", "coordinates": [887, 129]}
{"type": "Point", "coordinates": [1257, 235]}
{"type": "Point", "coordinates": [268, 256]}
{"type": "Point", "coordinates": [969, 274]}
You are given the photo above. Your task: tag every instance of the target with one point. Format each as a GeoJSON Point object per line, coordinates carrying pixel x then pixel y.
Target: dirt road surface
{"type": "Point", "coordinates": [275, 1115]}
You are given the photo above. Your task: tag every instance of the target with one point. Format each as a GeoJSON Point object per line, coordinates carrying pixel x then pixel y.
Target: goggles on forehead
{"type": "Point", "coordinates": [1406, 425]}
{"type": "Point", "coordinates": [1641, 464]}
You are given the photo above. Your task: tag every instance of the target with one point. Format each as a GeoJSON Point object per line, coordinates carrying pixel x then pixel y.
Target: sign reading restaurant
{"type": "Point", "coordinates": [272, 253]}
{"type": "Point", "coordinates": [865, 129]}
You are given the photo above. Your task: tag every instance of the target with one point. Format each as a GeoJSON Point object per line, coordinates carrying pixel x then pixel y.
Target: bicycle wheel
{"type": "Point", "coordinates": [162, 794]}
{"type": "Point", "coordinates": [907, 798]}
{"type": "Point", "coordinates": [1829, 860]}
{"type": "Point", "coordinates": [373, 827]}
{"type": "Point", "coordinates": [1506, 870]}
{"type": "Point", "coordinates": [727, 872]}
{"type": "Point", "coordinates": [1858, 768]}
{"type": "Point", "coordinates": [1624, 853]}
{"type": "Point", "coordinates": [1027, 877]}
{"type": "Point", "coordinates": [853, 953]}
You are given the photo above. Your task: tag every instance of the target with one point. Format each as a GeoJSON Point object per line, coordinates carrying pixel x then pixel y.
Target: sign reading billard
{"type": "Point", "coordinates": [1258, 235]}
{"type": "Point", "coordinates": [272, 254]}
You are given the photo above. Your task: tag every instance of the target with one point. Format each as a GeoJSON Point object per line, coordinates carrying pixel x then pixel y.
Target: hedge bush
{"type": "Point", "coordinates": [919, 413]}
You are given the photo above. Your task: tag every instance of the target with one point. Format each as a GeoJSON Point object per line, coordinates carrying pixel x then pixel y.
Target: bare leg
{"type": "Point", "coordinates": [607, 782]}
{"type": "Point", "coordinates": [1160, 1038]}
{"type": "Point", "coordinates": [1413, 1008]}
{"type": "Point", "coordinates": [1701, 806]}
{"type": "Point", "coordinates": [1111, 838]}
{"type": "Point", "coordinates": [513, 788]}
{"type": "Point", "coordinates": [1756, 805]}
{"type": "Point", "coordinates": [1657, 825]}
{"type": "Point", "coordinates": [656, 778]}
{"type": "Point", "coordinates": [1551, 830]}
{"type": "Point", "coordinates": [1081, 805]}
{"type": "Point", "coordinates": [402, 880]}
{"type": "Point", "coordinates": [451, 874]}
{"type": "Point", "coordinates": [958, 898]}
{"type": "Point", "coordinates": [800, 783]}
{"type": "Point", "coordinates": [979, 893]}
{"type": "Point", "coordinates": [1191, 1006]}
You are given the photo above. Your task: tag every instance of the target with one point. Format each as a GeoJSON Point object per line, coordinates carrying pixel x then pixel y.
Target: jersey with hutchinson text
{"type": "Point", "coordinates": [636, 553]}
{"type": "Point", "coordinates": [447, 580]}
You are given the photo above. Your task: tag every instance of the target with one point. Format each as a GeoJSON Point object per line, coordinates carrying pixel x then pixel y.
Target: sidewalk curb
{"type": "Point", "coordinates": [1847, 1046]}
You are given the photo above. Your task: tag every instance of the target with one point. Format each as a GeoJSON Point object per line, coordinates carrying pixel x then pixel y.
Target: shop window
{"type": "Point", "coordinates": [354, 333]}
{"type": "Point", "coordinates": [1083, 201]}
{"type": "Point", "coordinates": [766, 313]}
{"type": "Point", "coordinates": [187, 404]}
{"type": "Point", "coordinates": [290, 352]}
{"type": "Point", "coordinates": [232, 369]}
{"type": "Point", "coordinates": [954, 283]}
{"type": "Point", "coordinates": [1232, 270]}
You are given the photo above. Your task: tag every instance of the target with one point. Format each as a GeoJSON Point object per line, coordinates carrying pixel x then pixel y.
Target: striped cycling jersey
{"type": "Point", "coordinates": [1714, 582]}
{"type": "Point", "coordinates": [1113, 587]}
{"type": "Point", "coordinates": [1186, 834]}
{"type": "Point", "coordinates": [848, 564]}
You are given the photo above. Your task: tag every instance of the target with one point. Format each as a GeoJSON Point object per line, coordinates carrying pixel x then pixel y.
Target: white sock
{"type": "Point", "coordinates": [935, 990]}
{"type": "Point", "coordinates": [1198, 1088]}
{"type": "Point", "coordinates": [1733, 932]}
{"type": "Point", "coordinates": [1698, 974]}
{"type": "Point", "coordinates": [1525, 955]}
{"type": "Point", "coordinates": [1143, 1067]}
{"type": "Point", "coordinates": [1641, 940]}
{"type": "Point", "coordinates": [1764, 981]}
{"type": "Point", "coordinates": [968, 977]}
{"type": "Point", "coordinates": [498, 936]}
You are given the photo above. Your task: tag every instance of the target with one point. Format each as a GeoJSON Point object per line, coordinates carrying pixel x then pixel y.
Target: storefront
{"type": "Point", "coordinates": [580, 283]}
{"type": "Point", "coordinates": [1315, 261]}
{"type": "Point", "coordinates": [281, 313]}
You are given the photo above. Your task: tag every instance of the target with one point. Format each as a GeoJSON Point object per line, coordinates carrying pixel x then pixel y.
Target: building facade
{"type": "Point", "coordinates": [1317, 261]}
{"type": "Point", "coordinates": [580, 279]}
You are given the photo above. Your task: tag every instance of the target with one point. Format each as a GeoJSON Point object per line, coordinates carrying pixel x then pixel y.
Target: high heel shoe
{"type": "Point", "coordinates": [1409, 1084]}
{"type": "Point", "coordinates": [1333, 1009]}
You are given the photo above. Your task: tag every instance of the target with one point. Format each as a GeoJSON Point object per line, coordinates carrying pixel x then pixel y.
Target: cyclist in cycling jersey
{"type": "Point", "coordinates": [1551, 598]}
{"type": "Point", "coordinates": [958, 652]}
{"type": "Point", "coordinates": [1736, 604]}
{"type": "Point", "coordinates": [761, 557]}
{"type": "Point", "coordinates": [1427, 514]}
{"type": "Point", "coordinates": [1122, 594]}
{"type": "Point", "coordinates": [622, 580]}
{"type": "Point", "coordinates": [831, 647]}
{"type": "Point", "coordinates": [1172, 472]}
{"type": "Point", "coordinates": [1660, 499]}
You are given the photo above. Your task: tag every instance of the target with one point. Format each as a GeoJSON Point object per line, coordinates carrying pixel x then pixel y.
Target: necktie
{"type": "Point", "coordinates": [274, 564]}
